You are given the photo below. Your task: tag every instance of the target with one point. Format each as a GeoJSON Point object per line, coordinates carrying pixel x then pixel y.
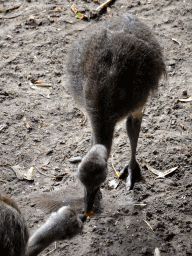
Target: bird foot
{"type": "Point", "coordinates": [132, 173]}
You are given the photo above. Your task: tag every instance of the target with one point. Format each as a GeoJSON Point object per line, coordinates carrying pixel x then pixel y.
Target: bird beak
{"type": "Point", "coordinates": [89, 198]}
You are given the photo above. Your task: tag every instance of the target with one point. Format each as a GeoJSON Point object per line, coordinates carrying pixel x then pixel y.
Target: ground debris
{"type": "Point", "coordinates": [186, 99]}
{"type": "Point", "coordinates": [22, 174]}
{"type": "Point", "coordinates": [160, 174]}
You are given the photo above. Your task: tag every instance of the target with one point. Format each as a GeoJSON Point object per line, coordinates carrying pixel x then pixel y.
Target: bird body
{"type": "Point", "coordinates": [112, 68]}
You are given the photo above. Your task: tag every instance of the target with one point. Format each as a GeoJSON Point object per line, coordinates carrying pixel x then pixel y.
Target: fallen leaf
{"type": "Point", "coordinates": [42, 123]}
{"type": "Point", "coordinates": [52, 19]}
{"type": "Point", "coordinates": [74, 8]}
{"type": "Point", "coordinates": [79, 16]}
{"type": "Point", "coordinates": [160, 174]}
{"type": "Point", "coordinates": [109, 11]}
{"type": "Point", "coordinates": [58, 9]}
{"type": "Point", "coordinates": [26, 123]}
{"type": "Point", "coordinates": [22, 174]}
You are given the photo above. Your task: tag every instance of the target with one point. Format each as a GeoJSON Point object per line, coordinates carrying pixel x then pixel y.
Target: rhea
{"type": "Point", "coordinates": [112, 68]}
{"type": "Point", "coordinates": [14, 235]}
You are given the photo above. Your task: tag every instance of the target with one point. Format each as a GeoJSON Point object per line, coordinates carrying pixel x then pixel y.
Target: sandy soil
{"type": "Point", "coordinates": [41, 127]}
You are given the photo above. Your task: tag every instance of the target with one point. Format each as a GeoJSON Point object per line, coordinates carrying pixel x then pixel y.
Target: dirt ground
{"type": "Point", "coordinates": [41, 127]}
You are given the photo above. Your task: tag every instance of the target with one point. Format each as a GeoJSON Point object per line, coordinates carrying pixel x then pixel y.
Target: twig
{"type": "Point", "coordinates": [16, 7]}
{"type": "Point", "coordinates": [103, 5]}
{"type": "Point", "coordinates": [51, 176]}
{"type": "Point", "coordinates": [12, 8]}
{"type": "Point", "coordinates": [151, 135]}
{"type": "Point", "coordinates": [148, 225]}
{"type": "Point", "coordinates": [52, 250]}
{"type": "Point", "coordinates": [44, 85]}
{"type": "Point", "coordinates": [132, 204]}
{"type": "Point", "coordinates": [175, 40]}
{"type": "Point", "coordinates": [186, 99]}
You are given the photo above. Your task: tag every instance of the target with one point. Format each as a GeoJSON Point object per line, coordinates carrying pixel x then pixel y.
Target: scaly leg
{"type": "Point", "coordinates": [131, 169]}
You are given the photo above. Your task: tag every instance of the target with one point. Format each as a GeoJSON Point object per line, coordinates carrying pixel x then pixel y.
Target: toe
{"type": "Point", "coordinates": [124, 172]}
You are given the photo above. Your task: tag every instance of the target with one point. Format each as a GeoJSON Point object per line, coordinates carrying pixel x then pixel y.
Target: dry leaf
{"type": "Point", "coordinates": [22, 174]}
{"type": "Point", "coordinates": [160, 174]}
{"type": "Point", "coordinates": [26, 123]}
{"type": "Point", "coordinates": [109, 11]}
{"type": "Point", "coordinates": [79, 16]}
{"type": "Point", "coordinates": [52, 19]}
{"type": "Point", "coordinates": [58, 9]}
{"type": "Point", "coordinates": [74, 8]}
{"type": "Point", "coordinates": [42, 123]}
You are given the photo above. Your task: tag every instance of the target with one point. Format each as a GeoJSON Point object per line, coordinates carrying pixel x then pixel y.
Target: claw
{"type": "Point", "coordinates": [124, 172]}
{"type": "Point", "coordinates": [130, 174]}
{"type": "Point", "coordinates": [129, 180]}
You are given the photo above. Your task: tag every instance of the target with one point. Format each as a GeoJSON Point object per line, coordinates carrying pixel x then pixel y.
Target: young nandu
{"type": "Point", "coordinates": [112, 68]}
{"type": "Point", "coordinates": [63, 224]}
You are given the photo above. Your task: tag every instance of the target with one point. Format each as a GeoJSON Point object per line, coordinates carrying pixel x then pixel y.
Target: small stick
{"type": "Point", "coordinates": [13, 9]}
{"type": "Point", "coordinates": [52, 250]}
{"type": "Point", "coordinates": [175, 40]}
{"type": "Point", "coordinates": [43, 85]}
{"type": "Point", "coordinates": [150, 135]}
{"type": "Point", "coordinates": [186, 99]}
{"type": "Point", "coordinates": [103, 5]}
{"type": "Point", "coordinates": [148, 225]}
{"type": "Point", "coordinates": [45, 174]}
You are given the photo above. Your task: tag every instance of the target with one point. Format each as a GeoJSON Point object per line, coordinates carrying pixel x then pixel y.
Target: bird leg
{"type": "Point", "coordinates": [131, 170]}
